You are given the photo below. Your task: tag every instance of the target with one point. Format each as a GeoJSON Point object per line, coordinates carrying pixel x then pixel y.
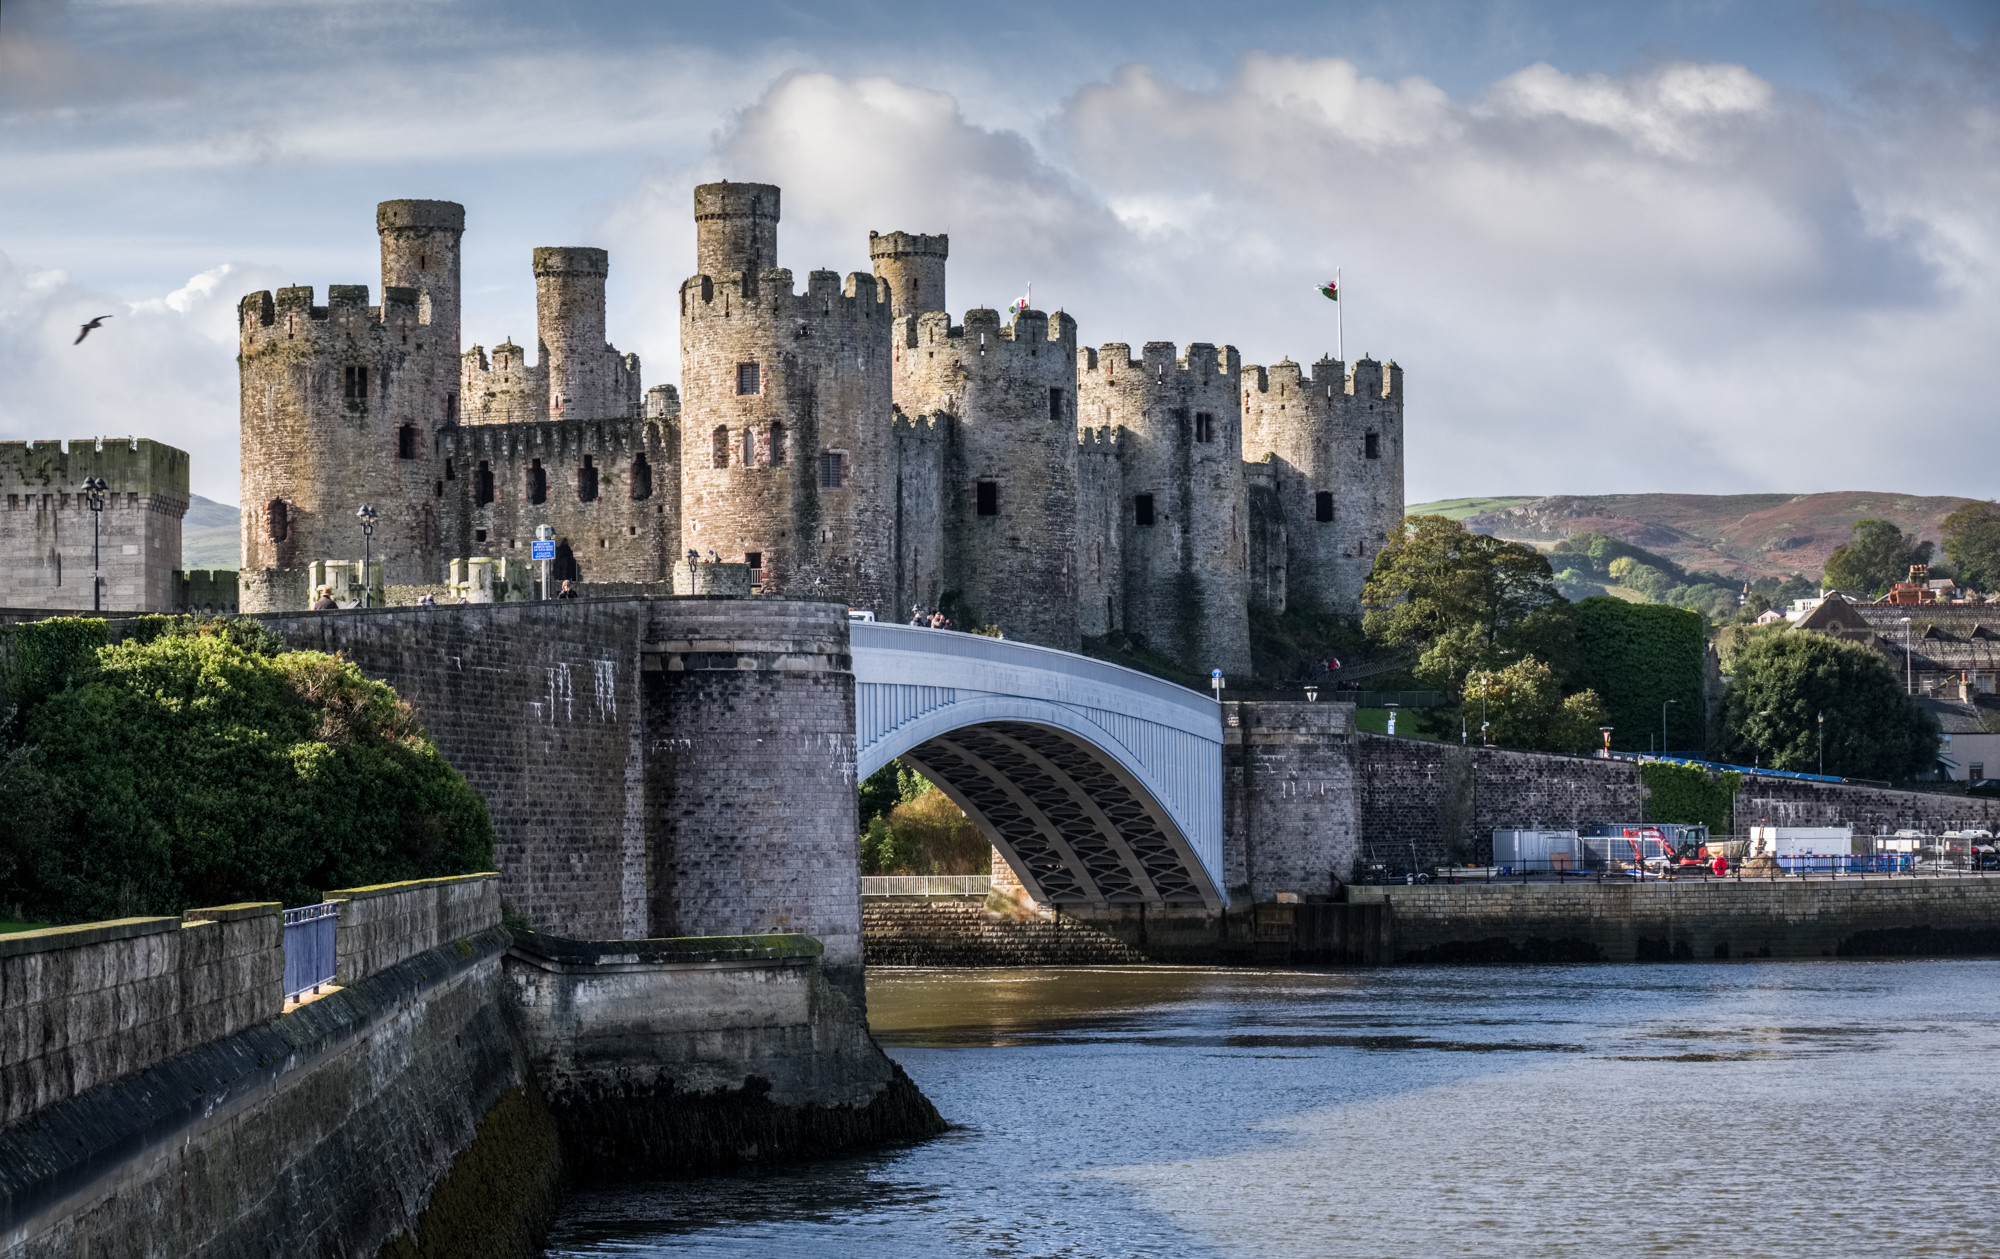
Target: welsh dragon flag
{"type": "Point", "coordinates": [1331, 290]}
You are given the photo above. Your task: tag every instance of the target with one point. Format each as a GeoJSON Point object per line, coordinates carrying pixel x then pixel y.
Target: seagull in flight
{"type": "Point", "coordinates": [95, 323]}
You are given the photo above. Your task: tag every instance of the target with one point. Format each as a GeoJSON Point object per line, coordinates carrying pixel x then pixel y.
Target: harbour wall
{"type": "Point", "coordinates": [1686, 920]}
{"type": "Point", "coordinates": [430, 1103]}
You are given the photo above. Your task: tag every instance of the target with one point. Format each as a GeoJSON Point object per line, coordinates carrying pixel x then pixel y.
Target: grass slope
{"type": "Point", "coordinates": [210, 535]}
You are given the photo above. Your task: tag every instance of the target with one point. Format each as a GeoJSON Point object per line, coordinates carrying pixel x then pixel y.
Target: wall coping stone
{"type": "Point", "coordinates": [48, 939]}
{"type": "Point", "coordinates": [390, 889]}
{"type": "Point", "coordinates": [234, 913]}
{"type": "Point", "coordinates": [760, 948]}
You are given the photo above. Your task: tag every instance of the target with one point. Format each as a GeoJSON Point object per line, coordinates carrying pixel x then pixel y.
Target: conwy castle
{"type": "Point", "coordinates": [848, 442]}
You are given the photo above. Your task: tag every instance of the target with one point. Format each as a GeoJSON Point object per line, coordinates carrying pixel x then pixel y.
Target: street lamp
{"type": "Point", "coordinates": [93, 497]}
{"type": "Point", "coordinates": [1312, 694]}
{"type": "Point", "coordinates": [1908, 688]}
{"type": "Point", "coordinates": [1663, 726]}
{"type": "Point", "coordinates": [368, 516]}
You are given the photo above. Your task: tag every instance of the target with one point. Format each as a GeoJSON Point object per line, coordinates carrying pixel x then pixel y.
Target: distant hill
{"type": "Point", "coordinates": [1737, 535]}
{"type": "Point", "coordinates": [210, 535]}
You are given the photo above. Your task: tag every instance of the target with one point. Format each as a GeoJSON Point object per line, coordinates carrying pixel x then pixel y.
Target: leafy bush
{"type": "Point", "coordinates": [1638, 656]}
{"type": "Point", "coordinates": [925, 834]}
{"type": "Point", "coordinates": [1686, 793]}
{"type": "Point", "coordinates": [195, 766]}
{"type": "Point", "coordinates": [1523, 706]}
{"type": "Point", "coordinates": [1782, 685]}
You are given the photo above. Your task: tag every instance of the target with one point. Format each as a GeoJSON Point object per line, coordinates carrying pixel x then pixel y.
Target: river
{"type": "Point", "coordinates": [1740, 1109]}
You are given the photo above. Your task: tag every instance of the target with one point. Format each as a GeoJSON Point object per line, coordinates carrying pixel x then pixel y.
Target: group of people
{"type": "Point", "coordinates": [932, 619]}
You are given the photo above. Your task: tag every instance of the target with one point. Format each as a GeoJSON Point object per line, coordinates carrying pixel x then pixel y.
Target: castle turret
{"type": "Point", "coordinates": [569, 318]}
{"type": "Point", "coordinates": [1183, 521]}
{"type": "Point", "coordinates": [911, 266]}
{"type": "Point", "coordinates": [420, 251]}
{"type": "Point", "coordinates": [787, 443]}
{"type": "Point", "coordinates": [1006, 395]}
{"type": "Point", "coordinates": [736, 229]}
{"type": "Point", "coordinates": [1335, 443]}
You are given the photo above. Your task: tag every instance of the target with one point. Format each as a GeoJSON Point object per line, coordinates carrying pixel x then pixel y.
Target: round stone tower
{"type": "Point", "coordinates": [1337, 445]}
{"type": "Point", "coordinates": [787, 459]}
{"type": "Point", "coordinates": [1005, 396]}
{"type": "Point", "coordinates": [1184, 543]}
{"type": "Point", "coordinates": [569, 318]}
{"type": "Point", "coordinates": [736, 229]}
{"type": "Point", "coordinates": [341, 406]}
{"type": "Point", "coordinates": [911, 265]}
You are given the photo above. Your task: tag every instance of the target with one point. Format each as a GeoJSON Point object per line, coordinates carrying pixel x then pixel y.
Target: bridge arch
{"type": "Point", "coordinates": [1100, 785]}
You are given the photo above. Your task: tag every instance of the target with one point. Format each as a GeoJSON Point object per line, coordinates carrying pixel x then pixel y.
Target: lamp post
{"type": "Point", "coordinates": [1392, 716]}
{"type": "Point", "coordinates": [1312, 694]}
{"type": "Point", "coordinates": [1908, 688]}
{"type": "Point", "coordinates": [1822, 743]}
{"type": "Point", "coordinates": [1663, 726]}
{"type": "Point", "coordinates": [368, 516]}
{"type": "Point", "coordinates": [93, 498]}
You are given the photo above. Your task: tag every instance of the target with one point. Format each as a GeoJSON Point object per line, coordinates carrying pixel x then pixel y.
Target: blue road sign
{"type": "Point", "coordinates": [542, 550]}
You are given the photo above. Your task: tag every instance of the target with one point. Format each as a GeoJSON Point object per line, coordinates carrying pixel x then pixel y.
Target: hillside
{"type": "Point", "coordinates": [1737, 535]}
{"type": "Point", "coordinates": [210, 537]}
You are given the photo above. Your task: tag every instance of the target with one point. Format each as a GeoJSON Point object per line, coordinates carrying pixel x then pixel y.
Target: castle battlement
{"type": "Point", "coordinates": [769, 294]}
{"type": "Point", "coordinates": [984, 329]}
{"type": "Point", "coordinates": [289, 315]}
{"type": "Point", "coordinates": [1329, 379]}
{"type": "Point", "coordinates": [552, 439]}
{"type": "Point", "coordinates": [1159, 361]}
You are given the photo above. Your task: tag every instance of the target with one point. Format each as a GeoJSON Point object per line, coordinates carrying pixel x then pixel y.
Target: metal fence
{"type": "Point", "coordinates": [310, 957]}
{"type": "Point", "coordinates": [883, 885]}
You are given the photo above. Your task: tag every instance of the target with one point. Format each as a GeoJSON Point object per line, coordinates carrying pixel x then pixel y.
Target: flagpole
{"type": "Point", "coordinates": [1339, 324]}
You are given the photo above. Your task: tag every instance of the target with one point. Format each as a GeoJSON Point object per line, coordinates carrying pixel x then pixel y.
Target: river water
{"type": "Point", "coordinates": [1739, 1109]}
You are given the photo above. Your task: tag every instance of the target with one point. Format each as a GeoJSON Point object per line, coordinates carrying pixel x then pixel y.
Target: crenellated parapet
{"type": "Point", "coordinates": [1334, 439]}
{"type": "Point", "coordinates": [910, 266]}
{"type": "Point", "coordinates": [508, 389]}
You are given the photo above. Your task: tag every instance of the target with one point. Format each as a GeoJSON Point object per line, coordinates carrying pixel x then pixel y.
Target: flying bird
{"type": "Point", "coordinates": [95, 323]}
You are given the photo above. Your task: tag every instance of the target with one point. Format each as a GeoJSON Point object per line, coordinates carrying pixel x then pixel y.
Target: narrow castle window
{"type": "Point", "coordinates": [755, 559]}
{"type": "Point", "coordinates": [538, 482]}
{"type": "Point", "coordinates": [1204, 426]}
{"type": "Point", "coordinates": [749, 379]}
{"type": "Point", "coordinates": [778, 454]}
{"type": "Point", "coordinates": [1056, 411]}
{"type": "Point", "coordinates": [451, 408]}
{"type": "Point", "coordinates": [749, 447]}
{"type": "Point", "coordinates": [1323, 506]}
{"type": "Point", "coordinates": [1372, 446]}
{"type": "Point", "coordinates": [831, 473]}
{"type": "Point", "coordinates": [1142, 509]}
{"type": "Point", "coordinates": [450, 473]}
{"type": "Point", "coordinates": [482, 484]}
{"type": "Point", "coordinates": [719, 446]}
{"type": "Point", "coordinates": [565, 565]}
{"type": "Point", "coordinates": [278, 520]}
{"type": "Point", "coordinates": [406, 442]}
{"type": "Point", "coordinates": [989, 498]}
{"type": "Point", "coordinates": [642, 479]}
{"type": "Point", "coordinates": [440, 489]}
{"type": "Point", "coordinates": [586, 481]}
{"type": "Point", "coordinates": [354, 383]}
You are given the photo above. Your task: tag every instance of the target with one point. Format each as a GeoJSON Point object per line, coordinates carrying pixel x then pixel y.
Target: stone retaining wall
{"type": "Point", "coordinates": [1695, 919]}
{"type": "Point", "coordinates": [383, 924]}
{"type": "Point", "coordinates": [83, 1005]}
{"type": "Point", "coordinates": [963, 933]}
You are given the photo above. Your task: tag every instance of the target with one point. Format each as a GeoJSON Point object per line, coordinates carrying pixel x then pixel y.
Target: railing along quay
{"type": "Point", "coordinates": [310, 954]}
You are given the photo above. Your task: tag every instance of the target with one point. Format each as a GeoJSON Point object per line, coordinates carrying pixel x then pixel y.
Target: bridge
{"type": "Point", "coordinates": [1100, 785]}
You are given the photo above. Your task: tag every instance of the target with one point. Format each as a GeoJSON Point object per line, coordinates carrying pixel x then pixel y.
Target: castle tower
{"type": "Point", "coordinates": [1183, 525]}
{"type": "Point", "coordinates": [911, 266]}
{"type": "Point", "coordinates": [1335, 441]}
{"type": "Point", "coordinates": [787, 458]}
{"type": "Point", "coordinates": [1006, 398]}
{"type": "Point", "coordinates": [344, 405]}
{"type": "Point", "coordinates": [736, 229]}
{"type": "Point", "coordinates": [569, 318]}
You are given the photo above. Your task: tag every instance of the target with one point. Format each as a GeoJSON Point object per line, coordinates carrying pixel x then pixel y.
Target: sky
{"type": "Point", "coordinates": [1706, 246]}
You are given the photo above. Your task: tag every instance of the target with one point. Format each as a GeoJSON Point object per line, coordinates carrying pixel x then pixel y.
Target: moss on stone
{"type": "Point", "coordinates": [501, 1192]}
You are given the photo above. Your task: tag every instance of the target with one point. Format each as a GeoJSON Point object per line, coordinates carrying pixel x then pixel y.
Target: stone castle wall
{"type": "Point", "coordinates": [922, 452]}
{"type": "Point", "coordinates": [1009, 493]}
{"type": "Point", "coordinates": [1183, 521]}
{"type": "Point", "coordinates": [45, 524]}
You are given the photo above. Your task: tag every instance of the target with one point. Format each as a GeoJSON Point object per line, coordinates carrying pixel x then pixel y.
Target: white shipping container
{"type": "Point", "coordinates": [1799, 841]}
{"type": "Point", "coordinates": [1537, 850]}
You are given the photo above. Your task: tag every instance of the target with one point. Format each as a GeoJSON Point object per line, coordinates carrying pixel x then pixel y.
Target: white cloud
{"type": "Point", "coordinates": [161, 367]}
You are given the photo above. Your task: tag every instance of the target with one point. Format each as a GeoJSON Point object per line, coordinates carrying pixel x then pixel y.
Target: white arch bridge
{"type": "Point", "coordinates": [1100, 785]}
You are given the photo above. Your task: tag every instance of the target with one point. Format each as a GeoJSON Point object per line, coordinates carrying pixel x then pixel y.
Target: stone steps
{"type": "Point", "coordinates": [962, 933]}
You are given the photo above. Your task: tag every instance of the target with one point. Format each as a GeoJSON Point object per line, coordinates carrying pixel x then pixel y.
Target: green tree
{"type": "Point", "coordinates": [194, 770]}
{"type": "Point", "coordinates": [1459, 600]}
{"type": "Point", "coordinates": [1972, 540]}
{"type": "Point", "coordinates": [1878, 557]}
{"type": "Point", "coordinates": [1523, 706]}
{"type": "Point", "coordinates": [1637, 657]}
{"type": "Point", "coordinates": [1783, 683]}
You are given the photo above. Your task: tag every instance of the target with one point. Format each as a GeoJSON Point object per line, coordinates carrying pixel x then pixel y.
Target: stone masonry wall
{"type": "Point", "coordinates": [384, 924]}
{"type": "Point", "coordinates": [83, 1005]}
{"type": "Point", "coordinates": [1870, 810]}
{"type": "Point", "coordinates": [1288, 782]}
{"type": "Point", "coordinates": [45, 524]}
{"type": "Point", "coordinates": [538, 705]}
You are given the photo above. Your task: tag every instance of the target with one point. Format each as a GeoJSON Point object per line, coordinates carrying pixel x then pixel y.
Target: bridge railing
{"type": "Point", "coordinates": [885, 886]}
